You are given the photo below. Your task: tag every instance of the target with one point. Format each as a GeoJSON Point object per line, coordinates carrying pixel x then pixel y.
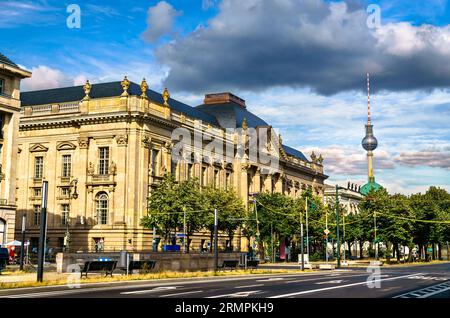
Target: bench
{"type": "Point", "coordinates": [106, 267]}
{"type": "Point", "coordinates": [231, 264]}
{"type": "Point", "coordinates": [140, 265]}
{"type": "Point", "coordinates": [251, 264]}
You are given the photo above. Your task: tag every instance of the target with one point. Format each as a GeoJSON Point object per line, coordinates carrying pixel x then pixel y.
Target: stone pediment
{"type": "Point", "coordinates": [65, 145]}
{"type": "Point", "coordinates": [38, 148]}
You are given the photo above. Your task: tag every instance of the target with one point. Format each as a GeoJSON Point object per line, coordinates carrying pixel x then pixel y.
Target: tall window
{"type": "Point", "coordinates": [66, 165]}
{"type": "Point", "coordinates": [65, 209]}
{"type": "Point", "coordinates": [2, 122]}
{"type": "Point", "coordinates": [37, 215]}
{"type": "Point", "coordinates": [228, 181]}
{"type": "Point", "coordinates": [102, 208]}
{"type": "Point", "coordinates": [155, 158]}
{"type": "Point", "coordinates": [174, 169]}
{"type": "Point", "coordinates": [190, 171]}
{"type": "Point", "coordinates": [2, 86]}
{"type": "Point", "coordinates": [104, 160]}
{"type": "Point", "coordinates": [216, 179]}
{"type": "Point", "coordinates": [38, 167]}
{"type": "Point", "coordinates": [203, 177]}
{"type": "Point", "coordinates": [2, 232]}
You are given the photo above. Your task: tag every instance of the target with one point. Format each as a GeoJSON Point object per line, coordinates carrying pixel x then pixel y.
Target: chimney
{"type": "Point", "coordinates": [222, 98]}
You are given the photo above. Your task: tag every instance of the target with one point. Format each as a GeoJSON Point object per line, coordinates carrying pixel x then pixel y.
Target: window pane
{"type": "Point", "coordinates": [66, 165]}
{"type": "Point", "coordinates": [102, 209]}
{"type": "Point", "coordinates": [38, 167]}
{"type": "Point", "coordinates": [65, 209]}
{"type": "Point", "coordinates": [104, 161]}
{"type": "Point", "coordinates": [37, 215]}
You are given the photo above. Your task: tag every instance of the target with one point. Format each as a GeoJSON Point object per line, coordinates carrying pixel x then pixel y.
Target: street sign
{"type": "Point", "coordinates": [180, 235]}
{"type": "Point", "coordinates": [327, 231]}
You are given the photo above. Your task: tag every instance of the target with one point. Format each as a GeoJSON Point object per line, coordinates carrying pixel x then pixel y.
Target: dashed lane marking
{"type": "Point", "coordinates": [426, 292]}
{"type": "Point", "coordinates": [338, 287]}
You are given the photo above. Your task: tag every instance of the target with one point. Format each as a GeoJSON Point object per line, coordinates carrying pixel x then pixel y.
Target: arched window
{"type": "Point", "coordinates": [102, 208]}
{"type": "Point", "coordinates": [2, 232]}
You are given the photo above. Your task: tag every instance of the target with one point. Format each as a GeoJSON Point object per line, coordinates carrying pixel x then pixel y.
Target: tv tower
{"type": "Point", "coordinates": [369, 143]}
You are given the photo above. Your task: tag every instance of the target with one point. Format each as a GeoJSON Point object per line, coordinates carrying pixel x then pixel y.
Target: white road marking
{"type": "Point", "coordinates": [330, 282]}
{"type": "Point", "coordinates": [237, 295]}
{"type": "Point", "coordinates": [337, 287]}
{"type": "Point", "coordinates": [154, 290]}
{"type": "Point", "coordinates": [270, 279]}
{"type": "Point", "coordinates": [313, 279]}
{"type": "Point", "coordinates": [426, 292]}
{"type": "Point", "coordinates": [249, 286]}
{"type": "Point", "coordinates": [185, 293]}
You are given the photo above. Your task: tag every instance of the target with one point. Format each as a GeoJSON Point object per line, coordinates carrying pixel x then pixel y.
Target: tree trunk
{"type": "Point", "coordinates": [361, 245]}
{"type": "Point", "coordinates": [440, 251]}
{"type": "Point", "coordinates": [388, 252]}
{"type": "Point", "coordinates": [397, 251]}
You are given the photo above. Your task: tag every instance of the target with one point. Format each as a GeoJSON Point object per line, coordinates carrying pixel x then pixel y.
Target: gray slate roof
{"type": "Point", "coordinates": [231, 115]}
{"type": "Point", "coordinates": [76, 93]}
{"type": "Point", "coordinates": [227, 115]}
{"type": "Point", "coordinates": [5, 60]}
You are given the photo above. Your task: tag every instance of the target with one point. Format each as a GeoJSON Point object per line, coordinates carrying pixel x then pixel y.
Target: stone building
{"type": "Point", "coordinates": [10, 77]}
{"type": "Point", "coordinates": [103, 147]}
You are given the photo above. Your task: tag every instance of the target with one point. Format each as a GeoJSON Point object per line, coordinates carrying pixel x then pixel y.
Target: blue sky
{"type": "Point", "coordinates": [300, 64]}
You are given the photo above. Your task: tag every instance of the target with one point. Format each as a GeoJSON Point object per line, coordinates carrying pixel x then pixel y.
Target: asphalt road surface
{"type": "Point", "coordinates": [426, 281]}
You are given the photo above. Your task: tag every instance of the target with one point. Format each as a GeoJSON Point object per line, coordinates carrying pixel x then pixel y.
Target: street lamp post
{"type": "Point", "coordinates": [375, 231]}
{"type": "Point", "coordinates": [22, 247]}
{"type": "Point", "coordinates": [337, 229]}
{"type": "Point", "coordinates": [73, 184]}
{"type": "Point", "coordinates": [216, 238]}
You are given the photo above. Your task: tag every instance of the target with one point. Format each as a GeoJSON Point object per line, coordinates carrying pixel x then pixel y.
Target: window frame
{"type": "Point", "coordinates": [65, 213]}
{"type": "Point", "coordinates": [37, 210]}
{"type": "Point", "coordinates": [38, 168]}
{"type": "Point", "coordinates": [102, 211]}
{"type": "Point", "coordinates": [66, 169]}
{"type": "Point", "coordinates": [103, 167]}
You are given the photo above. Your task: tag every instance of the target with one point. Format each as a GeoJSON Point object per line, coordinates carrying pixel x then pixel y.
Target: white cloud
{"type": "Point", "coordinates": [160, 20]}
{"type": "Point", "coordinates": [44, 77]}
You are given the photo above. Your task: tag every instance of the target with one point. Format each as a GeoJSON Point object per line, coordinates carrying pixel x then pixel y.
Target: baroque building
{"type": "Point", "coordinates": [103, 147]}
{"type": "Point", "coordinates": [10, 77]}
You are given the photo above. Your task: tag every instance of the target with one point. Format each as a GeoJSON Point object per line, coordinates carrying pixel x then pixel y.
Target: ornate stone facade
{"type": "Point", "coordinates": [10, 77]}
{"type": "Point", "coordinates": [117, 146]}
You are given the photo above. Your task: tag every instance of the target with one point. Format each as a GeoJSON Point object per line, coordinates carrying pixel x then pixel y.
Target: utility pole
{"type": "Point", "coordinates": [307, 232]}
{"type": "Point", "coordinates": [327, 232]}
{"type": "Point", "coordinates": [184, 230]}
{"type": "Point", "coordinates": [337, 229]}
{"type": "Point", "coordinates": [22, 247]}
{"type": "Point", "coordinates": [43, 232]}
{"type": "Point", "coordinates": [301, 246]}
{"type": "Point", "coordinates": [216, 243]}
{"type": "Point", "coordinates": [375, 239]}
{"type": "Point", "coordinates": [271, 241]}
{"type": "Point", "coordinates": [343, 232]}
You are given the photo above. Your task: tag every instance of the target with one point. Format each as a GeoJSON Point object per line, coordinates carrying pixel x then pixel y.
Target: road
{"type": "Point", "coordinates": [425, 281]}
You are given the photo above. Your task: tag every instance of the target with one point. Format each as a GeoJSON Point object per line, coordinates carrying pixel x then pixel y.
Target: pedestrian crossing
{"type": "Point", "coordinates": [427, 292]}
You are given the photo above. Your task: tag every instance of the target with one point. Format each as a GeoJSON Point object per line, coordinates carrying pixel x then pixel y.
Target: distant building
{"type": "Point", "coordinates": [349, 198]}
{"type": "Point", "coordinates": [10, 77]}
{"type": "Point", "coordinates": [104, 147]}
